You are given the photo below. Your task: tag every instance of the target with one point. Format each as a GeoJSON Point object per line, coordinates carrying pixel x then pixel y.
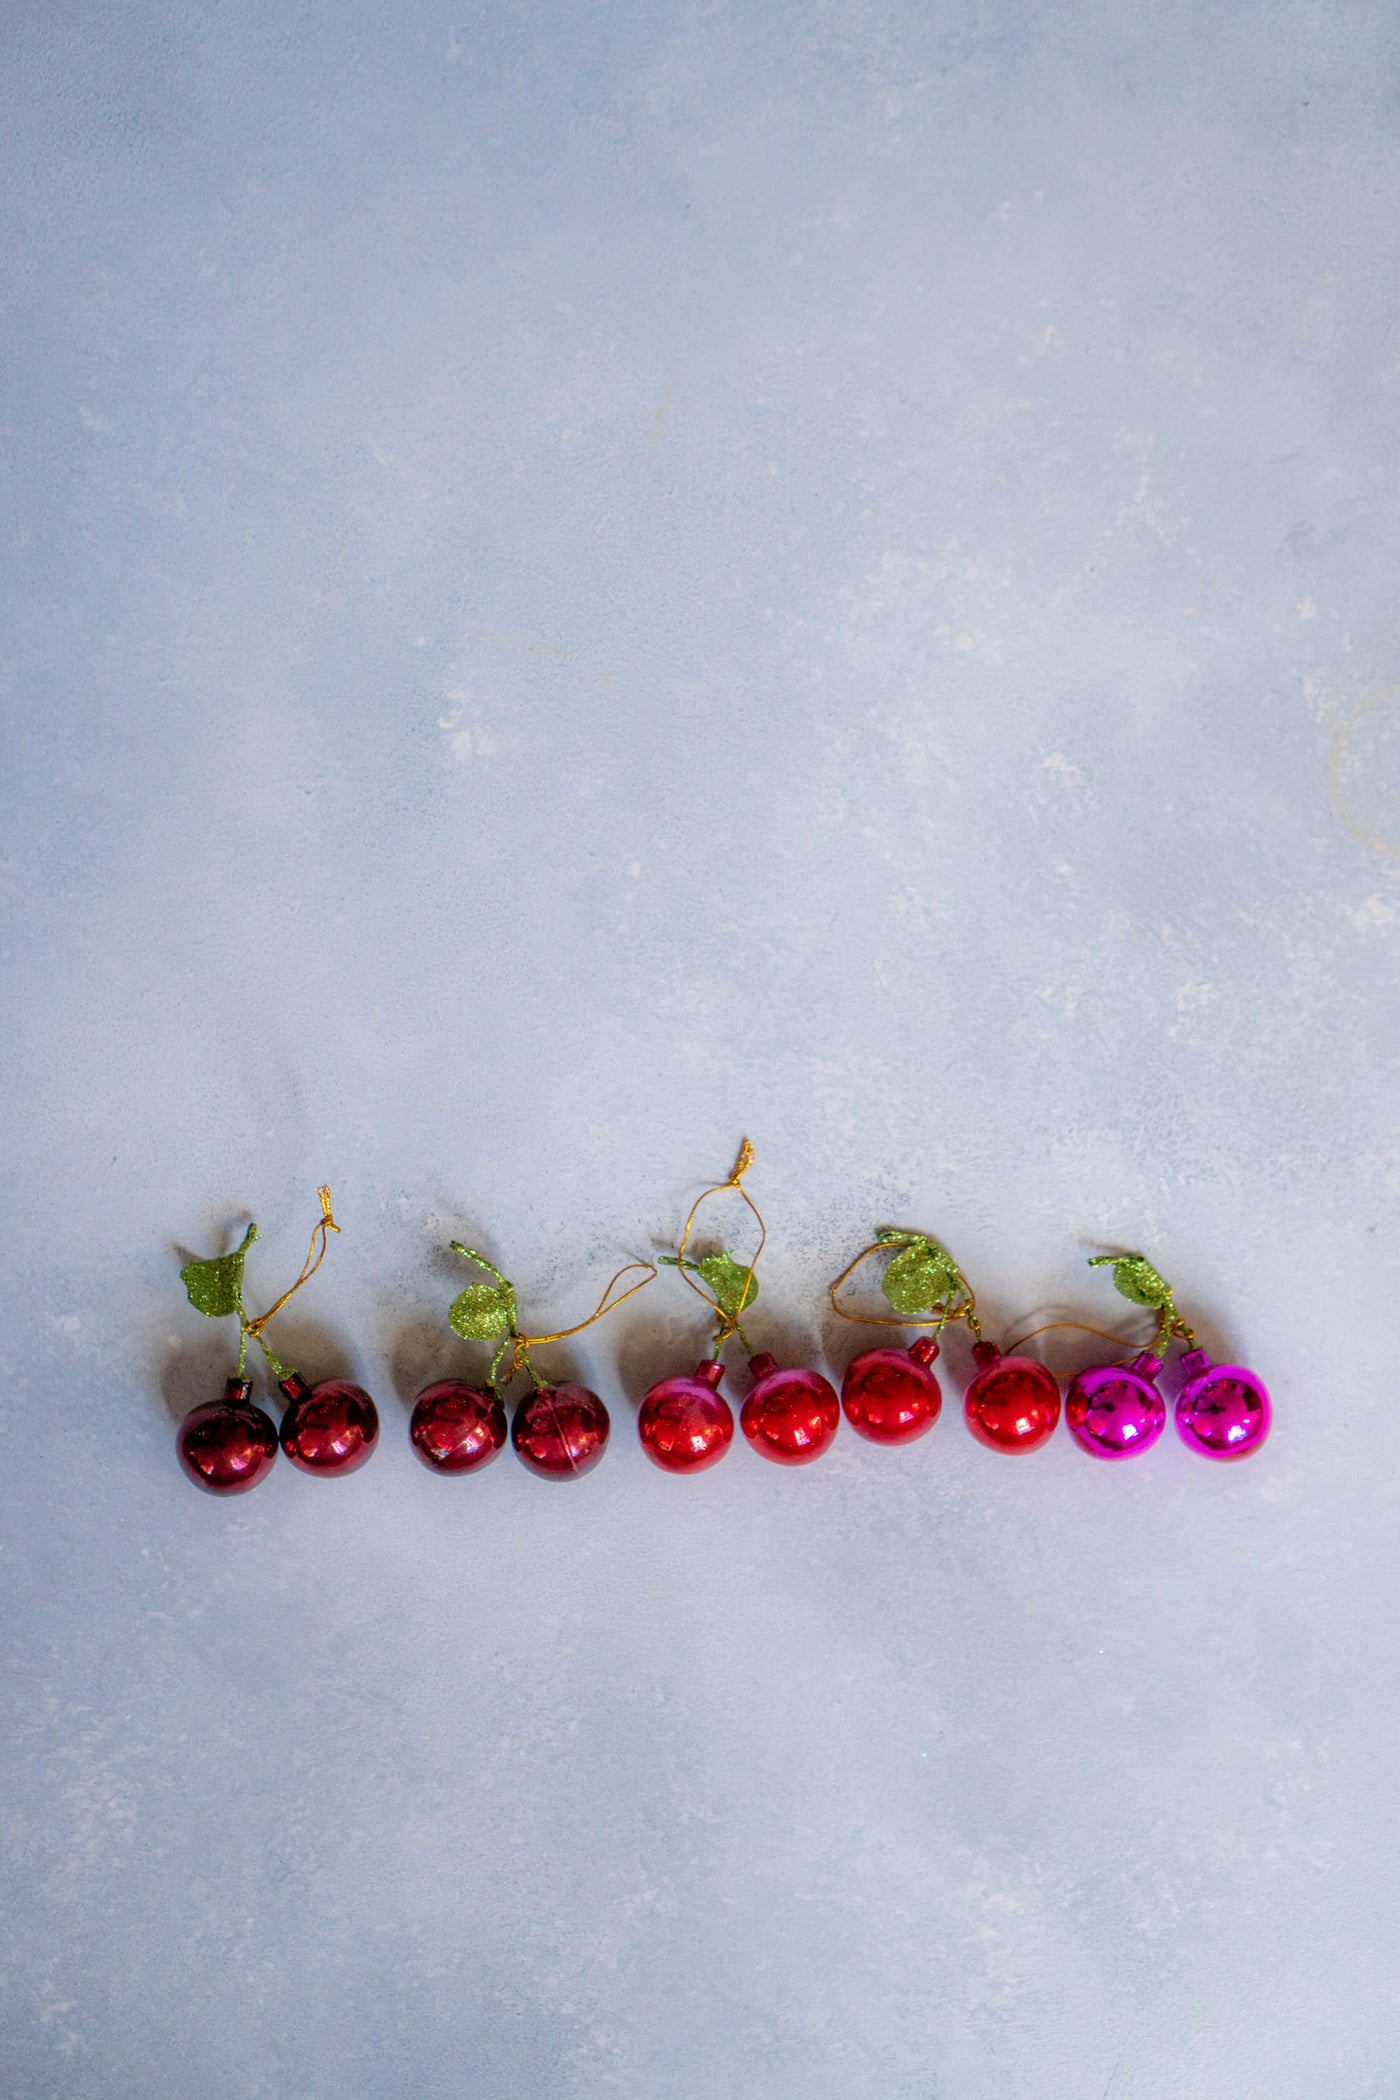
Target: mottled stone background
{"type": "Point", "coordinates": [585, 580]}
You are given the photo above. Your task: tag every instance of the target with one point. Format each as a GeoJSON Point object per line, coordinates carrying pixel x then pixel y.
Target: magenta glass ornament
{"type": "Point", "coordinates": [1115, 1410]}
{"type": "Point", "coordinates": [329, 1429]}
{"type": "Point", "coordinates": [1013, 1403]}
{"type": "Point", "coordinates": [227, 1446]}
{"type": "Point", "coordinates": [790, 1416]}
{"type": "Point", "coordinates": [684, 1425]}
{"type": "Point", "coordinates": [456, 1427]}
{"type": "Point", "coordinates": [1224, 1411]}
{"type": "Point", "coordinates": [890, 1395]}
{"type": "Point", "coordinates": [560, 1431]}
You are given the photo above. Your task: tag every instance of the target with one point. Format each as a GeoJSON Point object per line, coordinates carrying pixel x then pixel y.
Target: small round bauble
{"type": "Point", "coordinates": [790, 1416]}
{"type": "Point", "coordinates": [560, 1431]}
{"type": "Point", "coordinates": [456, 1427]}
{"type": "Point", "coordinates": [891, 1395]}
{"type": "Point", "coordinates": [1013, 1404]}
{"type": "Point", "coordinates": [228, 1445]}
{"type": "Point", "coordinates": [329, 1429]}
{"type": "Point", "coordinates": [684, 1424]}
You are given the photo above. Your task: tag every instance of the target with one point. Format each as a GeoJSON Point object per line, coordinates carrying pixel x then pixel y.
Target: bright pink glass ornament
{"type": "Point", "coordinates": [790, 1416]}
{"type": "Point", "coordinates": [684, 1425]}
{"type": "Point", "coordinates": [1224, 1411]}
{"type": "Point", "coordinates": [890, 1395]}
{"type": "Point", "coordinates": [228, 1445]}
{"type": "Point", "coordinates": [1115, 1410]}
{"type": "Point", "coordinates": [456, 1426]}
{"type": "Point", "coordinates": [329, 1429]}
{"type": "Point", "coordinates": [560, 1431]}
{"type": "Point", "coordinates": [1013, 1404]}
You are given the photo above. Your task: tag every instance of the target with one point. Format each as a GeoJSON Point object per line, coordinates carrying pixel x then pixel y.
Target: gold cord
{"type": "Point", "coordinates": [316, 1254]}
{"type": "Point", "coordinates": [729, 1322]}
{"type": "Point", "coordinates": [524, 1343]}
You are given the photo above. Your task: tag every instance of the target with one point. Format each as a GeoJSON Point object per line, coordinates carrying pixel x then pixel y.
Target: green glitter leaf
{"type": "Point", "coordinates": [1136, 1278]}
{"type": "Point", "coordinates": [216, 1287]}
{"type": "Point", "coordinates": [483, 1311]}
{"type": "Point", "coordinates": [734, 1288]}
{"type": "Point", "coordinates": [920, 1277]}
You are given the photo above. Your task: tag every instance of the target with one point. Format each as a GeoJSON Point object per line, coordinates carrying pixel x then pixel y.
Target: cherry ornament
{"type": "Point", "coordinates": [456, 1427]}
{"type": "Point", "coordinates": [227, 1446]}
{"type": "Point", "coordinates": [1223, 1411]}
{"type": "Point", "coordinates": [891, 1396]}
{"type": "Point", "coordinates": [1013, 1403]}
{"type": "Point", "coordinates": [560, 1431]}
{"type": "Point", "coordinates": [790, 1416]}
{"type": "Point", "coordinates": [1115, 1411]}
{"type": "Point", "coordinates": [329, 1429]}
{"type": "Point", "coordinates": [684, 1424]}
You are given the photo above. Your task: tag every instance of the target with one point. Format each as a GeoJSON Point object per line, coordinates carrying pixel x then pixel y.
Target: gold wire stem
{"type": "Point", "coordinates": [316, 1254]}
{"type": "Point", "coordinates": [1081, 1327]}
{"type": "Point", "coordinates": [729, 1322]}
{"type": "Point", "coordinates": [524, 1343]}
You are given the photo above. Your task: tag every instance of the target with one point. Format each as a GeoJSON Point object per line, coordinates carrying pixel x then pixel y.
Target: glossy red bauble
{"type": "Point", "coordinates": [1013, 1404]}
{"type": "Point", "coordinates": [328, 1429]}
{"type": "Point", "coordinates": [456, 1427]}
{"type": "Point", "coordinates": [790, 1416]}
{"type": "Point", "coordinates": [228, 1446]}
{"type": "Point", "coordinates": [560, 1431]}
{"type": "Point", "coordinates": [890, 1395]}
{"type": "Point", "coordinates": [684, 1425]}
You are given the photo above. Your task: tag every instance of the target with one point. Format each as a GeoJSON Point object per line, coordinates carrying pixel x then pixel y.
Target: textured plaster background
{"type": "Point", "coordinates": [579, 581]}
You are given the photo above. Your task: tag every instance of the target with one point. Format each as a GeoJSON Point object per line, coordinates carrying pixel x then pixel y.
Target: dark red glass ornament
{"type": "Point", "coordinates": [560, 1431]}
{"type": "Point", "coordinates": [1013, 1404]}
{"type": "Point", "coordinates": [890, 1395]}
{"type": "Point", "coordinates": [228, 1445]}
{"type": "Point", "coordinates": [790, 1416]}
{"type": "Point", "coordinates": [456, 1427]}
{"type": "Point", "coordinates": [328, 1429]}
{"type": "Point", "coordinates": [684, 1425]}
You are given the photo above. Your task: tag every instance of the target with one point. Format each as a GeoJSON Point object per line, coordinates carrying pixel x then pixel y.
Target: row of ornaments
{"type": "Point", "coordinates": [890, 1394]}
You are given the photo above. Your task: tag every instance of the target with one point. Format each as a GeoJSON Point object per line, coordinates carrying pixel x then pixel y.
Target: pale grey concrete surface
{"type": "Point", "coordinates": [581, 581]}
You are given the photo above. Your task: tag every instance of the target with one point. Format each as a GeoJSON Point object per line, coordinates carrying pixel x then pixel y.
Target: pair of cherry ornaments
{"type": "Point", "coordinates": [890, 1394]}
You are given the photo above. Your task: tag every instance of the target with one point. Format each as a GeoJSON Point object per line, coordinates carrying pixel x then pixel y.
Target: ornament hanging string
{"type": "Point", "coordinates": [886, 1242]}
{"type": "Point", "coordinates": [524, 1343]}
{"type": "Point", "coordinates": [316, 1253]}
{"type": "Point", "coordinates": [728, 1321]}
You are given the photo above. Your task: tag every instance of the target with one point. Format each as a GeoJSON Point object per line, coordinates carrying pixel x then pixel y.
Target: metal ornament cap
{"type": "Point", "coordinates": [890, 1396]}
{"type": "Point", "coordinates": [684, 1425]}
{"type": "Point", "coordinates": [1013, 1404]}
{"type": "Point", "coordinates": [1115, 1411]}
{"type": "Point", "coordinates": [1224, 1411]}
{"type": "Point", "coordinates": [790, 1416]}
{"type": "Point", "coordinates": [227, 1446]}
{"type": "Point", "coordinates": [560, 1431]}
{"type": "Point", "coordinates": [329, 1429]}
{"type": "Point", "coordinates": [457, 1427]}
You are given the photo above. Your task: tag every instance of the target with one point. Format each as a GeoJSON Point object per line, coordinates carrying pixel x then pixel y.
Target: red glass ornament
{"type": "Point", "coordinates": [790, 1416]}
{"type": "Point", "coordinates": [890, 1395]}
{"type": "Point", "coordinates": [684, 1425]}
{"type": "Point", "coordinates": [456, 1427]}
{"type": "Point", "coordinates": [560, 1431]}
{"type": "Point", "coordinates": [228, 1445]}
{"type": "Point", "coordinates": [1013, 1404]}
{"type": "Point", "coordinates": [328, 1429]}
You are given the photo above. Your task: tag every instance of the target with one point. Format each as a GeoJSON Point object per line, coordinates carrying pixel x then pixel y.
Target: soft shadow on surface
{"type": "Point", "coordinates": [196, 1371]}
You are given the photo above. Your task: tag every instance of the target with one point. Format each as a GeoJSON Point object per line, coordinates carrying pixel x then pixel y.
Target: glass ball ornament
{"type": "Point", "coordinates": [329, 1429]}
{"type": "Point", "coordinates": [560, 1431]}
{"type": "Point", "coordinates": [790, 1416]}
{"type": "Point", "coordinates": [1013, 1403]}
{"type": "Point", "coordinates": [891, 1396]}
{"type": "Point", "coordinates": [684, 1424]}
{"type": "Point", "coordinates": [1115, 1411]}
{"type": "Point", "coordinates": [227, 1446]}
{"type": "Point", "coordinates": [457, 1427]}
{"type": "Point", "coordinates": [1223, 1411]}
